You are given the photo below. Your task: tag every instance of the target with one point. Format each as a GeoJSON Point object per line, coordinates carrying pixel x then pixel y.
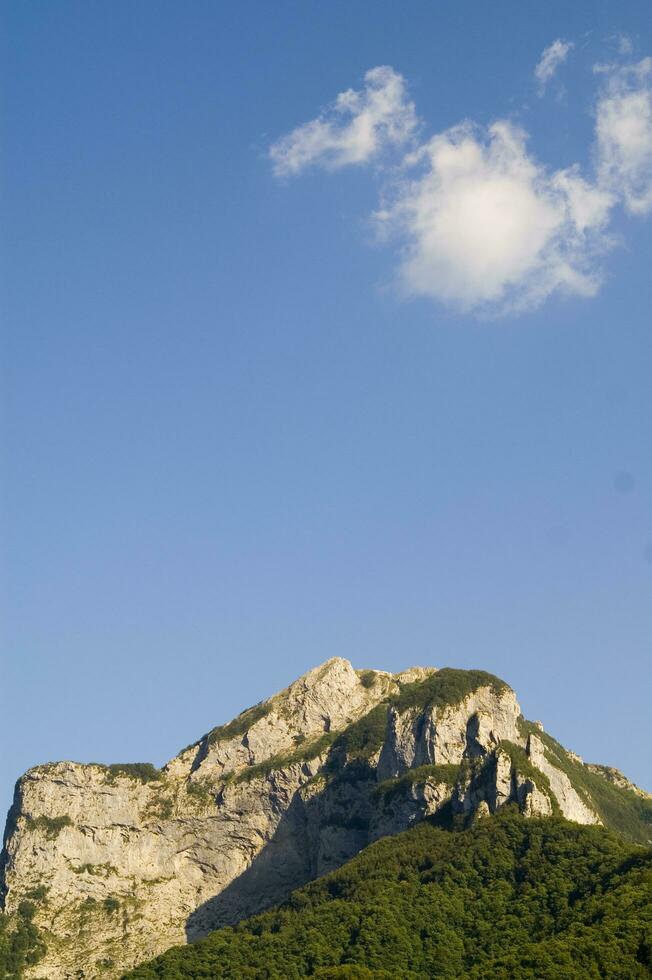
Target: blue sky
{"type": "Point", "coordinates": [272, 395]}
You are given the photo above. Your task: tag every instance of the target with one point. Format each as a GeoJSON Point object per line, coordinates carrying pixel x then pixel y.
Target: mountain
{"type": "Point", "coordinates": [543, 899]}
{"type": "Point", "coordinates": [105, 867]}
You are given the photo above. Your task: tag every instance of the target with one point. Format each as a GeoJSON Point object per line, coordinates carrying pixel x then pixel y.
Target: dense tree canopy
{"type": "Point", "coordinates": [542, 899]}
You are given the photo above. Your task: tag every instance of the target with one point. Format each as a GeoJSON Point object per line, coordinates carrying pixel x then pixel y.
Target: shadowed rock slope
{"type": "Point", "coordinates": [118, 863]}
{"type": "Point", "coordinates": [543, 899]}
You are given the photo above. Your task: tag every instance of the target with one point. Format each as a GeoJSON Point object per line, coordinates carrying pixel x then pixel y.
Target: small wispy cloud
{"type": "Point", "coordinates": [625, 44]}
{"type": "Point", "coordinates": [356, 128]}
{"type": "Point", "coordinates": [479, 224]}
{"type": "Point", "coordinates": [624, 134]}
{"type": "Point", "coordinates": [551, 58]}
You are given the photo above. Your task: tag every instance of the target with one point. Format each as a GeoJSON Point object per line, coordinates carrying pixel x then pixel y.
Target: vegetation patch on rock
{"type": "Point", "coordinates": [142, 772]}
{"type": "Point", "coordinates": [446, 688]}
{"type": "Point", "coordinates": [390, 789]}
{"type": "Point", "coordinates": [50, 826]}
{"type": "Point", "coordinates": [21, 944]}
{"type": "Point", "coordinates": [241, 724]}
{"type": "Point", "coordinates": [305, 752]}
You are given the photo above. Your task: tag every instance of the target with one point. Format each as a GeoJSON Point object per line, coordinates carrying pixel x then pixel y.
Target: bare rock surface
{"type": "Point", "coordinates": [570, 802]}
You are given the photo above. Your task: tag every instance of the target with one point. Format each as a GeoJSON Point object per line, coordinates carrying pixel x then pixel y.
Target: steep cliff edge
{"type": "Point", "coordinates": [121, 862]}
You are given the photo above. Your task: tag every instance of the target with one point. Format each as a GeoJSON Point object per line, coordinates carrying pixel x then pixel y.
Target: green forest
{"type": "Point", "coordinates": [505, 898]}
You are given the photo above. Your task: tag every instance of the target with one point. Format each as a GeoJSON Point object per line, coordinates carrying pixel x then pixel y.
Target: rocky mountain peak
{"type": "Point", "coordinates": [331, 696]}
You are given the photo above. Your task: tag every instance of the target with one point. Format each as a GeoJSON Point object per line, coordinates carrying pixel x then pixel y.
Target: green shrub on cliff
{"type": "Point", "coordinates": [20, 943]}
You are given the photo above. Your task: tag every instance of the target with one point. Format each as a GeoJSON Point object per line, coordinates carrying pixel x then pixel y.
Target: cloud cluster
{"type": "Point", "coordinates": [356, 128]}
{"type": "Point", "coordinates": [551, 58]}
{"type": "Point", "coordinates": [479, 223]}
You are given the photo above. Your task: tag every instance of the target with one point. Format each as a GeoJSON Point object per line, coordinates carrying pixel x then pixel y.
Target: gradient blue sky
{"type": "Point", "coordinates": [232, 450]}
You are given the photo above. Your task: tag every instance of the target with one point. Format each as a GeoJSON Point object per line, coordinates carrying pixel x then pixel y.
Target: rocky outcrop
{"type": "Point", "coordinates": [617, 778]}
{"type": "Point", "coordinates": [445, 734]}
{"type": "Point", "coordinates": [570, 803]}
{"type": "Point", "coordinates": [127, 860]}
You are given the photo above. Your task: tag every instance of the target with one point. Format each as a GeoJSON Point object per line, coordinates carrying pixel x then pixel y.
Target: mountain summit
{"type": "Point", "coordinates": [118, 863]}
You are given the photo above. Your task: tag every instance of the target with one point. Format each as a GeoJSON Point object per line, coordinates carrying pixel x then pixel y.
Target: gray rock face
{"type": "Point", "coordinates": [569, 800]}
{"type": "Point", "coordinates": [445, 735]}
{"type": "Point", "coordinates": [133, 861]}
{"type": "Point", "coordinates": [420, 799]}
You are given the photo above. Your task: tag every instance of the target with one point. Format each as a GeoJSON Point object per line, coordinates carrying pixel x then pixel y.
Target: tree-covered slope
{"type": "Point", "coordinates": [508, 897]}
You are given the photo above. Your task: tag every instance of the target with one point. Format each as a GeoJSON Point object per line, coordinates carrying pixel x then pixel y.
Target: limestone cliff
{"type": "Point", "coordinates": [124, 861]}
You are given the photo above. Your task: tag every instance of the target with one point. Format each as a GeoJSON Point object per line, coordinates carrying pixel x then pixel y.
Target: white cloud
{"type": "Point", "coordinates": [356, 128]}
{"type": "Point", "coordinates": [484, 226]}
{"type": "Point", "coordinates": [551, 58]}
{"type": "Point", "coordinates": [480, 224]}
{"type": "Point", "coordinates": [624, 134]}
{"type": "Point", "coordinates": [588, 204]}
